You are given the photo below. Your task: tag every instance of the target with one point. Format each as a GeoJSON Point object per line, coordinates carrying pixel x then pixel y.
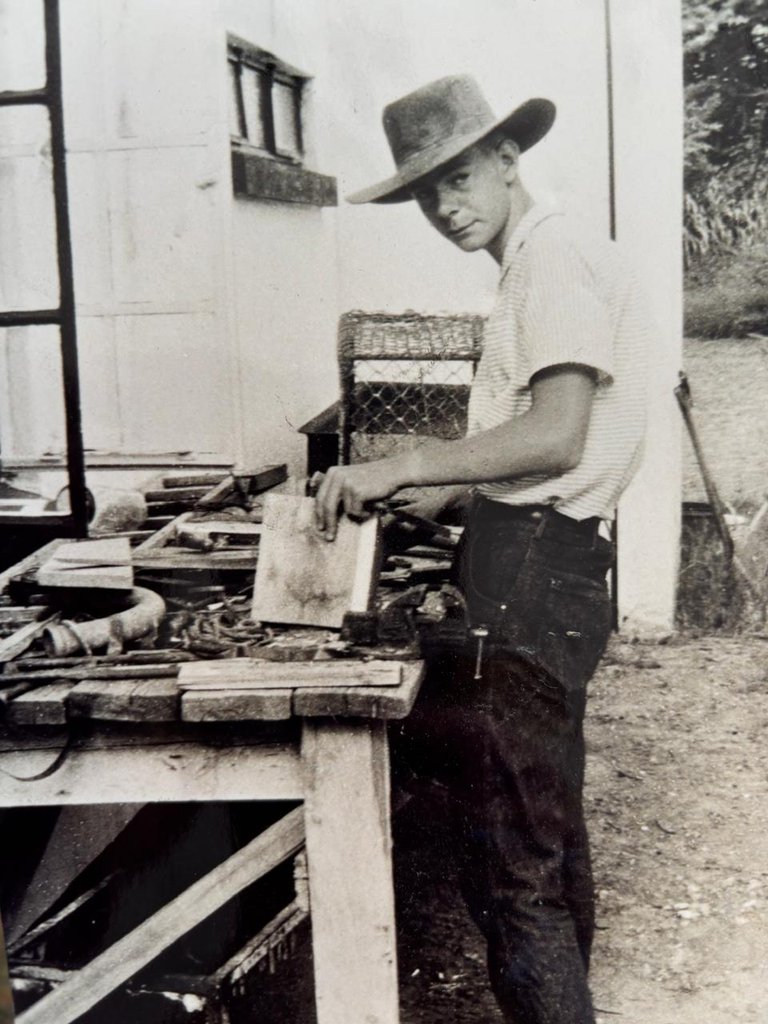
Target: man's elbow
{"type": "Point", "coordinates": [565, 454]}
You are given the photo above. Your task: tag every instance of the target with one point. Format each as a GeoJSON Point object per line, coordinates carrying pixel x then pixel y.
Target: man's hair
{"type": "Point", "coordinates": [492, 142]}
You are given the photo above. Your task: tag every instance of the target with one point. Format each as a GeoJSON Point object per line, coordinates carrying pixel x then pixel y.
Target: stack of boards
{"type": "Point", "coordinates": [103, 564]}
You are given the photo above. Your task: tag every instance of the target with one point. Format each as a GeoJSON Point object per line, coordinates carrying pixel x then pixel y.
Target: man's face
{"type": "Point", "coordinates": [469, 202]}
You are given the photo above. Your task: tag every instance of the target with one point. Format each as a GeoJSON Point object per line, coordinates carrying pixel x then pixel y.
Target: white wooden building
{"type": "Point", "coordinates": [206, 317]}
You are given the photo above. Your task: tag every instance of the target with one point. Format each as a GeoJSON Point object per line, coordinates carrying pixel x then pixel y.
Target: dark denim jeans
{"type": "Point", "coordinates": [510, 747]}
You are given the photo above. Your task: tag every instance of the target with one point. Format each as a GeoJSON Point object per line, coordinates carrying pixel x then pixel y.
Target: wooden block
{"type": "Point", "coordinates": [251, 674]}
{"type": "Point", "coordinates": [45, 705]}
{"type": "Point", "coordinates": [357, 702]}
{"type": "Point", "coordinates": [129, 955]}
{"type": "Point", "coordinates": [236, 705]}
{"type": "Point", "coordinates": [304, 579]}
{"type": "Point", "coordinates": [102, 564]}
{"type": "Point", "coordinates": [128, 700]}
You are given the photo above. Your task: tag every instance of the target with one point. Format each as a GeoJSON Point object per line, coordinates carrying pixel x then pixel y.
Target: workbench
{"type": "Point", "coordinates": [137, 741]}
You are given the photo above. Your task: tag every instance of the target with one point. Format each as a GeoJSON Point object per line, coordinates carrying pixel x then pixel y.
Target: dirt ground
{"type": "Point", "coordinates": [676, 799]}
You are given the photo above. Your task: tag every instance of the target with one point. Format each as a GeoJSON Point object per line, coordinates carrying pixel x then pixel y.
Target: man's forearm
{"type": "Point", "coordinates": [514, 448]}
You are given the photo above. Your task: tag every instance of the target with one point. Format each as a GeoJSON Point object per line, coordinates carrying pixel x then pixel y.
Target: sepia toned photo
{"type": "Point", "coordinates": [383, 543]}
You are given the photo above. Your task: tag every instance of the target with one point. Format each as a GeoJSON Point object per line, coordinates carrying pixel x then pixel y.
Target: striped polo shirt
{"type": "Point", "coordinates": [566, 299]}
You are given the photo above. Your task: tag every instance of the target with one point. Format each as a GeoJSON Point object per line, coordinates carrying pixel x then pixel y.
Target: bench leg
{"type": "Point", "coordinates": [350, 871]}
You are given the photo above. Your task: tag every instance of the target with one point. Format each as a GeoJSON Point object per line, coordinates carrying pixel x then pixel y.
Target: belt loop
{"type": "Point", "coordinates": [596, 533]}
{"type": "Point", "coordinates": [543, 523]}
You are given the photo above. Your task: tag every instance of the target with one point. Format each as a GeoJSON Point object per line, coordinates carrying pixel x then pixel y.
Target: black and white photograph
{"type": "Point", "coordinates": [383, 512]}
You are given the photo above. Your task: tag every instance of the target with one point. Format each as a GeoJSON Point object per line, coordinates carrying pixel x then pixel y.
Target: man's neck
{"type": "Point", "coordinates": [520, 202]}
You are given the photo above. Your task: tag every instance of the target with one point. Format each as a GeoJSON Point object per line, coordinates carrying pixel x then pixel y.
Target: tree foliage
{"type": "Point", "coordinates": [726, 85]}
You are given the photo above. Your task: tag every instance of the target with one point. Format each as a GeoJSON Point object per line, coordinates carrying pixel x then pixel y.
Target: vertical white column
{"type": "Point", "coordinates": [648, 137]}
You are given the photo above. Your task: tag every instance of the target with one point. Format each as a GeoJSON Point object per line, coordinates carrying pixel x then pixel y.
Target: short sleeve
{"type": "Point", "coordinates": [565, 320]}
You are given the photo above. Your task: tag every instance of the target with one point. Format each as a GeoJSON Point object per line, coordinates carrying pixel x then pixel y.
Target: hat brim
{"type": "Point", "coordinates": [527, 125]}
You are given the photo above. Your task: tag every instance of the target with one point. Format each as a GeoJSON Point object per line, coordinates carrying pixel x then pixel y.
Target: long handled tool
{"type": "Point", "coordinates": [685, 401]}
{"type": "Point", "coordinates": [746, 570]}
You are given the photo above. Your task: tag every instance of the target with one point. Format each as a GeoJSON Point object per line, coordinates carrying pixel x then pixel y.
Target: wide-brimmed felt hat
{"type": "Point", "coordinates": [433, 125]}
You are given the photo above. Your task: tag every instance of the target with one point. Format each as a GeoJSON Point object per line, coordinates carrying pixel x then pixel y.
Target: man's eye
{"type": "Point", "coordinates": [460, 179]}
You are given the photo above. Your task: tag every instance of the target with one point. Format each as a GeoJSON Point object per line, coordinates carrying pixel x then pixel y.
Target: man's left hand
{"type": "Point", "coordinates": [352, 488]}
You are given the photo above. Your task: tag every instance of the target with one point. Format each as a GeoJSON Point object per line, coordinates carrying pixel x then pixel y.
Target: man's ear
{"type": "Point", "coordinates": [509, 154]}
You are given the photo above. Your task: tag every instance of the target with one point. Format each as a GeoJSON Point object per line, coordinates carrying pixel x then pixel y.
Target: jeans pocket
{"type": "Point", "coordinates": [574, 627]}
{"type": "Point", "coordinates": [490, 570]}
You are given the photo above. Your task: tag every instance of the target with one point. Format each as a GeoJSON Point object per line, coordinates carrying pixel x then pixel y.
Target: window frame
{"type": "Point", "coordinates": [270, 72]}
{"type": "Point", "coordinates": [262, 169]}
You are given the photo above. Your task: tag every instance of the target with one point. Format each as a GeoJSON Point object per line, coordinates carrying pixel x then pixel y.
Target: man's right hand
{"type": "Point", "coordinates": [399, 535]}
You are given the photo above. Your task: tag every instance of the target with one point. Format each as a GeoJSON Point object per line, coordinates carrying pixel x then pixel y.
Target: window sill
{"type": "Point", "coordinates": [262, 177]}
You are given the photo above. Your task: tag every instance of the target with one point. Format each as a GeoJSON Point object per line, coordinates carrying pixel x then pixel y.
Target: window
{"type": "Point", "coordinates": [267, 130]}
{"type": "Point", "coordinates": [266, 101]}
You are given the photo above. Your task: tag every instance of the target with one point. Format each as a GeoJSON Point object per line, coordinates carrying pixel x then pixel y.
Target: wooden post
{"type": "Point", "coordinates": [350, 871]}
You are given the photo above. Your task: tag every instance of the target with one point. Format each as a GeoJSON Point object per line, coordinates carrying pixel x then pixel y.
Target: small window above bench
{"type": "Point", "coordinates": [267, 130]}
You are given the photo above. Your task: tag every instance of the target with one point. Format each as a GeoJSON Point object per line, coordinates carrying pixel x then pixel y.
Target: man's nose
{"type": "Point", "coordinates": [446, 204]}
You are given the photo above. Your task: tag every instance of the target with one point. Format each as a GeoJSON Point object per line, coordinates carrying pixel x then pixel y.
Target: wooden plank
{"type": "Point", "coordinates": [102, 564]}
{"type": "Point", "coordinates": [252, 482]}
{"type": "Point", "coordinates": [210, 561]}
{"type": "Point", "coordinates": [220, 527]}
{"type": "Point", "coordinates": [175, 772]}
{"type": "Point", "coordinates": [251, 674]}
{"type": "Point", "coordinates": [12, 646]}
{"type": "Point", "coordinates": [357, 702]}
{"type": "Point", "coordinates": [20, 613]}
{"type": "Point", "coordinates": [45, 705]}
{"type": "Point", "coordinates": [130, 954]}
{"type": "Point", "coordinates": [105, 551]}
{"type": "Point", "coordinates": [88, 671]}
{"type": "Point", "coordinates": [175, 493]}
{"type": "Point", "coordinates": [27, 938]}
{"type": "Point", "coordinates": [271, 937]}
{"type": "Point", "coordinates": [304, 579]}
{"type": "Point", "coordinates": [353, 914]}
{"type": "Point", "coordinates": [159, 522]}
{"type": "Point", "coordinates": [206, 480]}
{"type": "Point", "coordinates": [125, 700]}
{"type": "Point", "coordinates": [161, 538]}
{"type": "Point", "coordinates": [236, 706]}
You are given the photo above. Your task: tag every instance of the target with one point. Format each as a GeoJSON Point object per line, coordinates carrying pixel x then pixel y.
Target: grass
{"type": "Point", "coordinates": [726, 294]}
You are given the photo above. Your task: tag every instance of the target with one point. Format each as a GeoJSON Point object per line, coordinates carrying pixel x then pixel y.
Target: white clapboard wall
{"type": "Point", "coordinates": [207, 323]}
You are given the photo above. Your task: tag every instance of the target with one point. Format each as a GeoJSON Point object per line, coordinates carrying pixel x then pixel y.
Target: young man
{"type": "Point", "coordinates": [556, 419]}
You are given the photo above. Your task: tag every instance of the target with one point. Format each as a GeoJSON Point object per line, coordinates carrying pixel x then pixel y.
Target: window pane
{"type": "Point", "coordinates": [234, 109]}
{"type": "Point", "coordinates": [252, 84]}
{"type": "Point", "coordinates": [22, 45]}
{"type": "Point", "coordinates": [32, 419]}
{"type": "Point", "coordinates": [28, 268]}
{"type": "Point", "coordinates": [284, 106]}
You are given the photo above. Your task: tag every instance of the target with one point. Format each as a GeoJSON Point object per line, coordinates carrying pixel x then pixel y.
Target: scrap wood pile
{"type": "Point", "coordinates": [103, 610]}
